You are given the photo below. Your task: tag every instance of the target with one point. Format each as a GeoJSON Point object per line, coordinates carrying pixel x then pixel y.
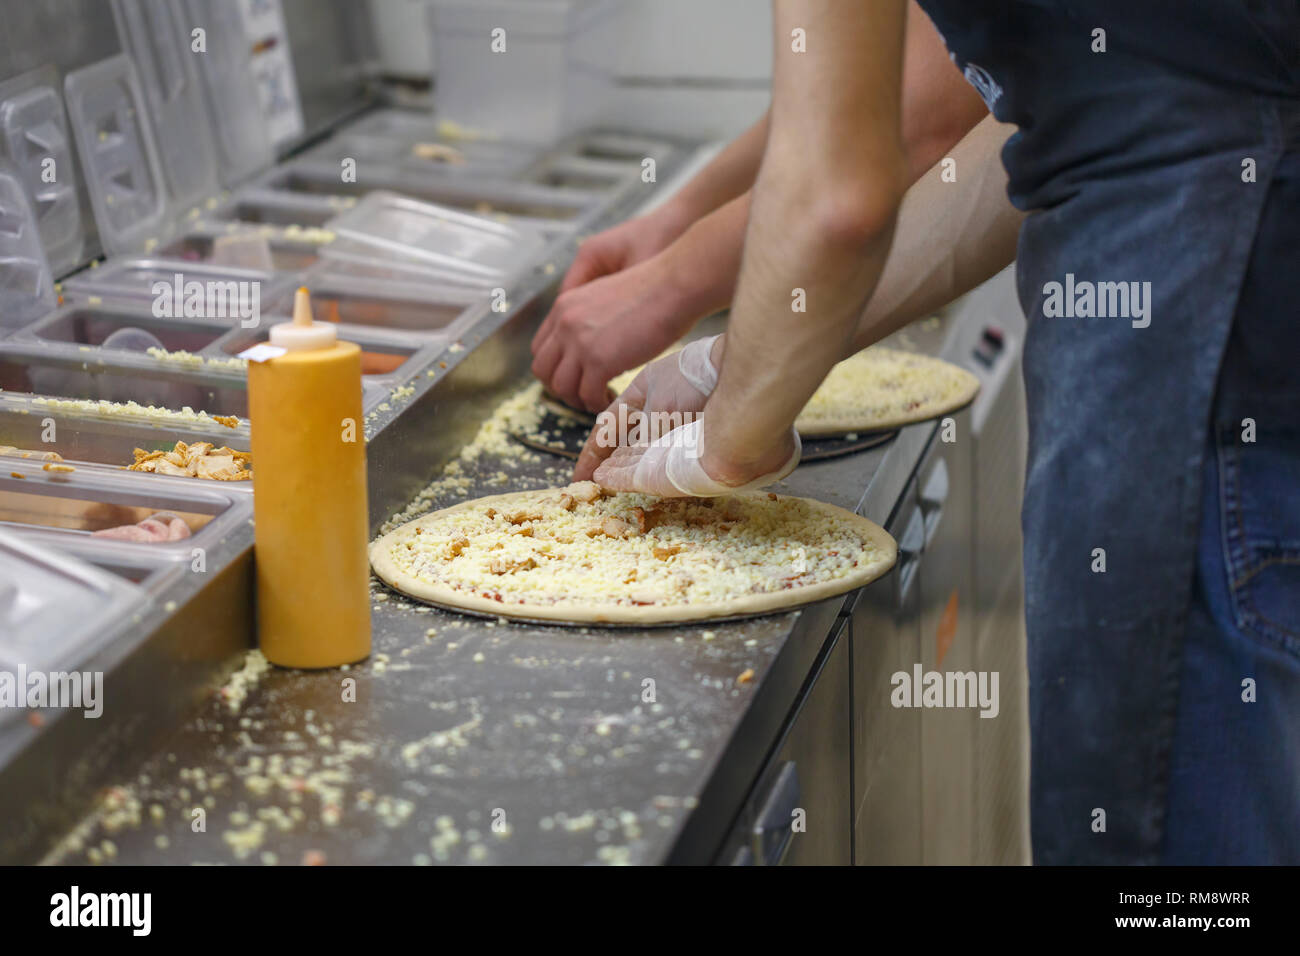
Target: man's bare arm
{"type": "Point", "coordinates": [949, 237]}
{"type": "Point", "coordinates": [821, 219]}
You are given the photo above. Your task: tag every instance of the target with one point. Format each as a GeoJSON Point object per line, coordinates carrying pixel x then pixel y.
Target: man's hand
{"type": "Point", "coordinates": [605, 327]}
{"type": "Point", "coordinates": [664, 394]}
{"type": "Point", "coordinates": [678, 464]}
{"type": "Point", "coordinates": [621, 247]}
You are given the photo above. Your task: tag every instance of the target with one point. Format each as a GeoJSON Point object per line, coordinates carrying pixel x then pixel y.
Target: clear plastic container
{"type": "Point", "coordinates": [387, 230]}
{"type": "Point", "coordinates": [229, 88]}
{"type": "Point", "coordinates": [26, 288]}
{"type": "Point", "coordinates": [416, 309]}
{"type": "Point", "coordinates": [229, 293]}
{"type": "Point", "coordinates": [174, 101]}
{"type": "Point", "coordinates": [552, 78]}
{"type": "Point", "coordinates": [55, 610]}
{"type": "Point", "coordinates": [34, 141]}
{"type": "Point", "coordinates": [123, 175]}
{"type": "Point", "coordinates": [287, 253]}
{"type": "Point", "coordinates": [65, 509]}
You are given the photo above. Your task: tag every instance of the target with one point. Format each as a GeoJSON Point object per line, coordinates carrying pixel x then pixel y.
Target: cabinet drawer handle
{"type": "Point", "coordinates": [772, 828]}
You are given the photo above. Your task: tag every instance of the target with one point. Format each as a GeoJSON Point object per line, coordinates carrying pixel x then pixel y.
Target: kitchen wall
{"type": "Point", "coordinates": [697, 67]}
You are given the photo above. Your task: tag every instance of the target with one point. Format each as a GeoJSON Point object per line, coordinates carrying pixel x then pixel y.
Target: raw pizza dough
{"type": "Point", "coordinates": [580, 555]}
{"type": "Point", "coordinates": [874, 390]}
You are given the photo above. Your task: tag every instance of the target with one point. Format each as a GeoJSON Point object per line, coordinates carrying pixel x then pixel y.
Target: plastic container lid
{"type": "Point", "coordinates": [172, 96]}
{"type": "Point", "coordinates": [56, 610]}
{"type": "Point", "coordinates": [26, 287]}
{"type": "Point", "coordinates": [123, 176]}
{"type": "Point", "coordinates": [389, 231]}
{"type": "Point", "coordinates": [33, 140]}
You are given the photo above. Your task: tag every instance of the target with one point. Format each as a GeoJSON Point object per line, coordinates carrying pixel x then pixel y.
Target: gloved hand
{"type": "Point", "coordinates": [665, 393]}
{"type": "Point", "coordinates": [673, 466]}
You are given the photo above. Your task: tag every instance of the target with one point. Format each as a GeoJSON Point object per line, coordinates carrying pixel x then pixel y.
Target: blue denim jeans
{"type": "Point", "coordinates": [1160, 153]}
{"type": "Point", "coordinates": [1234, 780]}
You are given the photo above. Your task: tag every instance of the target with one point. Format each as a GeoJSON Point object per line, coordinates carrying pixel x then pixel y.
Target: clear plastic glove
{"type": "Point", "coordinates": [665, 394]}
{"type": "Point", "coordinates": [673, 465]}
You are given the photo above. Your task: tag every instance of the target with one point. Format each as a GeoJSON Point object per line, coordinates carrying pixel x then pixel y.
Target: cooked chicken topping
{"type": "Point", "coordinates": [199, 460]}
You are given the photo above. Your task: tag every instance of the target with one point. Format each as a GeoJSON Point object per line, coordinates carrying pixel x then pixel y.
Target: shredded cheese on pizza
{"type": "Point", "coordinates": [877, 387]}
{"type": "Point", "coordinates": [582, 547]}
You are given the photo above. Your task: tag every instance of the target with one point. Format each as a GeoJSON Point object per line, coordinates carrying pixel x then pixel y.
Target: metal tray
{"type": "Point", "coordinates": [423, 310]}
{"type": "Point", "coordinates": [70, 506]}
{"type": "Point", "coordinates": [273, 207]}
{"type": "Point", "coordinates": [528, 203]}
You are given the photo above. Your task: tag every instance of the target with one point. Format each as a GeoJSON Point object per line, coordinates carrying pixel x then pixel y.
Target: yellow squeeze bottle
{"type": "Point", "coordinates": [309, 496]}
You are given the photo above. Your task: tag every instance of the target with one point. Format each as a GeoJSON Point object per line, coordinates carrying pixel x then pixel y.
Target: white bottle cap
{"type": "Point", "coordinates": [303, 334]}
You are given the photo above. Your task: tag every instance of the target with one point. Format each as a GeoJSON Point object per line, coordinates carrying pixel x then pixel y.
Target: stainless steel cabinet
{"type": "Point", "coordinates": [887, 740]}
{"type": "Point", "coordinates": [944, 488]}
{"type": "Point", "coordinates": [799, 811]}
{"type": "Point", "coordinates": [914, 766]}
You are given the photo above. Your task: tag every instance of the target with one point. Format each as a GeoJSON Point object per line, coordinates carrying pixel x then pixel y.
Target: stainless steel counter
{"type": "Point", "coordinates": [467, 740]}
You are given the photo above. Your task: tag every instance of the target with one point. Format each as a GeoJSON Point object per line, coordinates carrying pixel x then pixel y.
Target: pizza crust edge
{"type": "Point", "coordinates": [405, 583]}
{"type": "Point", "coordinates": [828, 426]}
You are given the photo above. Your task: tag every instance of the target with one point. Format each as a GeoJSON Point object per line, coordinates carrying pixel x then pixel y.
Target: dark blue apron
{"type": "Point", "coordinates": [1160, 274]}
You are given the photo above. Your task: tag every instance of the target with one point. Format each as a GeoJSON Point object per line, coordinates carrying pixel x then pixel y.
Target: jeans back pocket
{"type": "Point", "coordinates": [1259, 485]}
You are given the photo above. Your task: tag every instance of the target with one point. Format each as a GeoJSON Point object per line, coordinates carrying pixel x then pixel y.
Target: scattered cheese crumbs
{"type": "Point", "coordinates": [312, 234]}
{"type": "Point", "coordinates": [243, 680]}
{"type": "Point", "coordinates": [518, 413]}
{"type": "Point", "coordinates": [190, 360]}
{"type": "Point", "coordinates": [455, 347]}
{"type": "Point", "coordinates": [50, 466]}
{"type": "Point", "coordinates": [746, 676]}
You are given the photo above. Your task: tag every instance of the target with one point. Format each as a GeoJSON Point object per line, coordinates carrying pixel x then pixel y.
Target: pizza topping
{"type": "Point", "coordinates": [506, 566]}
{"type": "Point", "coordinates": [199, 460]}
{"type": "Point", "coordinates": [615, 527]}
{"type": "Point", "coordinates": [585, 491]}
{"type": "Point", "coordinates": [580, 547]}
